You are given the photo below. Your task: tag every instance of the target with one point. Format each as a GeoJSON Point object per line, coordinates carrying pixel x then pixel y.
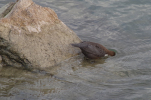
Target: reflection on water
{"type": "Point", "coordinates": [122, 25]}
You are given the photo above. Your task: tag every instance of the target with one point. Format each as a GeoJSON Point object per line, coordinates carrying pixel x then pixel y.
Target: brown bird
{"type": "Point", "coordinates": [93, 50]}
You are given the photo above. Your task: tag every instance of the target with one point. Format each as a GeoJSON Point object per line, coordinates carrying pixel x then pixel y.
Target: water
{"type": "Point", "coordinates": [123, 25]}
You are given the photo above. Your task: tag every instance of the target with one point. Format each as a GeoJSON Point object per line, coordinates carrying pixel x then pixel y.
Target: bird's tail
{"type": "Point", "coordinates": [75, 44]}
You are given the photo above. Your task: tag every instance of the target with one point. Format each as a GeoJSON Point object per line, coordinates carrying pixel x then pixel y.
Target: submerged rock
{"type": "Point", "coordinates": [33, 36]}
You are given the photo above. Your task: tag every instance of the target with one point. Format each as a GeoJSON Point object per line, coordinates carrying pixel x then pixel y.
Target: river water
{"type": "Point", "coordinates": [122, 25]}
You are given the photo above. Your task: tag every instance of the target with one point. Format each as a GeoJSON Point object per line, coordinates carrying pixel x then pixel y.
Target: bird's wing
{"type": "Point", "coordinates": [94, 49]}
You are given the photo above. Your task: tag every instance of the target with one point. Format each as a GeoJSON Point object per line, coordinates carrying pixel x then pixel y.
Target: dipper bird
{"type": "Point", "coordinates": [93, 50]}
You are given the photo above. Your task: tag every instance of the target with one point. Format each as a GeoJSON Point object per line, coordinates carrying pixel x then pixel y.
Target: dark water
{"type": "Point", "coordinates": [123, 25]}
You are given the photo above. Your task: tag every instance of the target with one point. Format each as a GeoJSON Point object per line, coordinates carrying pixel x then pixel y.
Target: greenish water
{"type": "Point", "coordinates": [122, 25]}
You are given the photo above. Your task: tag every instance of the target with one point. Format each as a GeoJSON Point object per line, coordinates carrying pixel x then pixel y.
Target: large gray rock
{"type": "Point", "coordinates": [33, 36]}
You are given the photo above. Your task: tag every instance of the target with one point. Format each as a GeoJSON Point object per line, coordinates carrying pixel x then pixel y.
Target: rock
{"type": "Point", "coordinates": [33, 36]}
{"type": "Point", "coordinates": [6, 9]}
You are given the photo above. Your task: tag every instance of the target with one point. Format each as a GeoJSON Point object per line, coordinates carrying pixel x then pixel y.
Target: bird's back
{"type": "Point", "coordinates": [91, 50]}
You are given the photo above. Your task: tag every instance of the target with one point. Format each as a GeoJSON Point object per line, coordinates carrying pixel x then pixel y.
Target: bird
{"type": "Point", "coordinates": [93, 50]}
